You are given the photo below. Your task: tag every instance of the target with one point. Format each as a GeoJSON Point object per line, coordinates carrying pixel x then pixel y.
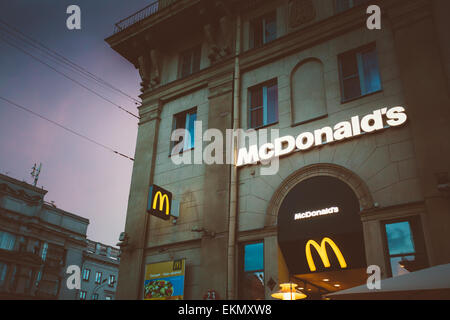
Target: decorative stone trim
{"type": "Point", "coordinates": [315, 170]}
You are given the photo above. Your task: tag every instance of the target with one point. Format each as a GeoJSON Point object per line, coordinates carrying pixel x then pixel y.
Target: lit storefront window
{"type": "Point", "coordinates": [252, 272]}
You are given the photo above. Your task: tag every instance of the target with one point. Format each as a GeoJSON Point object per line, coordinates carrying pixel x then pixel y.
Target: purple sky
{"type": "Point", "coordinates": [80, 177]}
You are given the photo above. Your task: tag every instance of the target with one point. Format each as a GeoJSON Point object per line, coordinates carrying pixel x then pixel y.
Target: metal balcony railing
{"type": "Point", "coordinates": [146, 12]}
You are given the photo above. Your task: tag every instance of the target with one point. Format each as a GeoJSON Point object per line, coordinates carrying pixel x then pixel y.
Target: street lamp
{"type": "Point", "coordinates": [288, 291]}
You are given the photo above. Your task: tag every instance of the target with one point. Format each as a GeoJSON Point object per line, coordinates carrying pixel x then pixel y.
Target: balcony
{"type": "Point", "coordinates": [142, 14]}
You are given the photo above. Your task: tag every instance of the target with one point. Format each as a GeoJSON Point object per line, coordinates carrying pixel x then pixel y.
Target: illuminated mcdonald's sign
{"type": "Point", "coordinates": [322, 251]}
{"type": "Point", "coordinates": [159, 202]}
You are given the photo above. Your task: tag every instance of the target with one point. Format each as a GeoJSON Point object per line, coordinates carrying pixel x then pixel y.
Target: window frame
{"type": "Point", "coordinates": [262, 22]}
{"type": "Point", "coordinates": [241, 271]}
{"type": "Point", "coordinates": [351, 6]}
{"type": "Point", "coordinates": [111, 283]}
{"type": "Point", "coordinates": [174, 127]}
{"type": "Point", "coordinates": [95, 296]}
{"type": "Point", "coordinates": [418, 239]}
{"type": "Point", "coordinates": [88, 274]}
{"type": "Point", "coordinates": [192, 51]}
{"type": "Point", "coordinates": [82, 295]}
{"type": "Point", "coordinates": [266, 84]}
{"type": "Point", "coordinates": [96, 276]}
{"type": "Point", "coordinates": [355, 52]}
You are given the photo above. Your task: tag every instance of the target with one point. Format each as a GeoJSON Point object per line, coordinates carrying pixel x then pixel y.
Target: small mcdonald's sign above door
{"type": "Point", "coordinates": [159, 202]}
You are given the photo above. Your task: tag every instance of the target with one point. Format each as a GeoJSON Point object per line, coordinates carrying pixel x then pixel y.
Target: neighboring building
{"type": "Point", "coordinates": [37, 243]}
{"type": "Point", "coordinates": [378, 198]}
{"type": "Point", "coordinates": [99, 272]}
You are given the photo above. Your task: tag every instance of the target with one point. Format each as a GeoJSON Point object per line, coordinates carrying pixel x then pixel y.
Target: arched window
{"type": "Point", "coordinates": [308, 98]}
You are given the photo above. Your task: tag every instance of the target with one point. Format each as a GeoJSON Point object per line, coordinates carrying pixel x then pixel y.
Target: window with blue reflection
{"type": "Point", "coordinates": [254, 257]}
{"type": "Point", "coordinates": [400, 239]}
{"type": "Point", "coordinates": [359, 73]}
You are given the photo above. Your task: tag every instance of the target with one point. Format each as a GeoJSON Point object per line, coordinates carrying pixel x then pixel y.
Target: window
{"type": "Point", "coordinates": [359, 73]}
{"type": "Point", "coordinates": [98, 277]}
{"type": "Point", "coordinates": [86, 274]}
{"type": "Point", "coordinates": [184, 120]}
{"type": "Point", "coordinates": [252, 272]}
{"type": "Point", "coordinates": [44, 251]}
{"type": "Point", "coordinates": [95, 296]}
{"type": "Point", "coordinates": [263, 105]}
{"type": "Point", "coordinates": [7, 240]}
{"type": "Point", "coordinates": [108, 298]}
{"type": "Point", "coordinates": [82, 295]}
{"type": "Point", "coordinates": [263, 30]}
{"type": "Point", "coordinates": [3, 270]}
{"type": "Point", "coordinates": [405, 246]}
{"type": "Point", "coordinates": [189, 62]}
{"type": "Point", "coordinates": [343, 5]}
{"type": "Point", "coordinates": [112, 280]}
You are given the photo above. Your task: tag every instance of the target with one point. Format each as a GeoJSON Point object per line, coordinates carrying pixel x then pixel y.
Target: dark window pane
{"type": "Point", "coordinates": [253, 286]}
{"type": "Point", "coordinates": [196, 59]}
{"type": "Point", "coordinates": [342, 5]}
{"type": "Point", "coordinates": [256, 34]}
{"type": "Point", "coordinates": [349, 65]}
{"type": "Point", "coordinates": [254, 257]}
{"type": "Point", "coordinates": [256, 97]}
{"type": "Point", "coordinates": [270, 28]}
{"type": "Point", "coordinates": [256, 118]}
{"type": "Point", "coordinates": [372, 80]}
{"type": "Point", "coordinates": [351, 88]}
{"type": "Point", "coordinates": [400, 238]}
{"type": "Point", "coordinates": [272, 104]}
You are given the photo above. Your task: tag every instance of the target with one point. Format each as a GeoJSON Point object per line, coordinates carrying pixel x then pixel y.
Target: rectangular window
{"type": "Point", "coordinates": [405, 246]}
{"type": "Point", "coordinates": [108, 298]}
{"type": "Point", "coordinates": [359, 73]}
{"type": "Point", "coordinates": [44, 251]}
{"type": "Point", "coordinates": [343, 5]}
{"type": "Point", "coordinates": [86, 274]}
{"type": "Point", "coordinates": [263, 105]}
{"type": "Point", "coordinates": [263, 30]}
{"type": "Point", "coordinates": [3, 270]}
{"type": "Point", "coordinates": [95, 296]}
{"type": "Point", "coordinates": [98, 277]}
{"type": "Point", "coordinates": [189, 62]}
{"type": "Point", "coordinates": [7, 241]}
{"type": "Point", "coordinates": [112, 280]}
{"type": "Point", "coordinates": [82, 295]}
{"type": "Point", "coordinates": [252, 272]}
{"type": "Point", "coordinates": [185, 121]}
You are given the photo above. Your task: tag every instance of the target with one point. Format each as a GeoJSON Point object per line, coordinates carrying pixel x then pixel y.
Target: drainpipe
{"type": "Point", "coordinates": [234, 178]}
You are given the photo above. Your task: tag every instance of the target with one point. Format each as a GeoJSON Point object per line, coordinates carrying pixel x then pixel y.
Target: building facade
{"type": "Point", "coordinates": [38, 241]}
{"type": "Point", "coordinates": [363, 166]}
{"type": "Point", "coordinates": [100, 269]}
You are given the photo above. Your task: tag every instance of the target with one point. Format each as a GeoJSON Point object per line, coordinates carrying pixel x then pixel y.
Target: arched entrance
{"type": "Point", "coordinates": [320, 233]}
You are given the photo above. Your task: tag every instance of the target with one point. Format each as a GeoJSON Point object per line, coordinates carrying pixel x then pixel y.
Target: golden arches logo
{"type": "Point", "coordinates": [322, 251]}
{"type": "Point", "coordinates": [162, 199]}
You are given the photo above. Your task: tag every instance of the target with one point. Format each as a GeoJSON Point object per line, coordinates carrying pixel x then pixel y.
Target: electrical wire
{"type": "Point", "coordinates": [59, 57]}
{"type": "Point", "coordinates": [65, 128]}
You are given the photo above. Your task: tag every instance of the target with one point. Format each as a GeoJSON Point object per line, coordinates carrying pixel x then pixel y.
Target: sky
{"type": "Point", "coordinates": [81, 177]}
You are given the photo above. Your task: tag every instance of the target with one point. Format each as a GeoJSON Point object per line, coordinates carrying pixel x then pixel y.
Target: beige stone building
{"type": "Point", "coordinates": [297, 66]}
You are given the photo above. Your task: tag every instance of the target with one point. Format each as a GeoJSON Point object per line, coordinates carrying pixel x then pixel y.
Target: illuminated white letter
{"type": "Point", "coordinates": [74, 280]}
{"type": "Point", "coordinates": [396, 116]}
{"type": "Point", "coordinates": [343, 130]}
{"type": "Point", "coordinates": [374, 21]}
{"type": "Point", "coordinates": [304, 141]}
{"type": "Point", "coordinates": [372, 122]}
{"type": "Point", "coordinates": [279, 151]}
{"type": "Point", "coordinates": [318, 135]}
{"type": "Point", "coordinates": [374, 281]}
{"type": "Point", "coordinates": [266, 152]}
{"type": "Point", "coordinates": [249, 157]}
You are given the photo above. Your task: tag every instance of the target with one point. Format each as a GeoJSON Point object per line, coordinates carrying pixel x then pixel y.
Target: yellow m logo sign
{"type": "Point", "coordinates": [322, 250]}
{"type": "Point", "coordinates": [162, 199]}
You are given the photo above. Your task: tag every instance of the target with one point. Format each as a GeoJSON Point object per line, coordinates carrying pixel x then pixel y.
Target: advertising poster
{"type": "Point", "coordinates": [164, 280]}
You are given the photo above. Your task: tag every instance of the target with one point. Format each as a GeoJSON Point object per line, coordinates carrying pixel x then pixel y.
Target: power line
{"type": "Point", "coordinates": [2, 37]}
{"type": "Point", "coordinates": [65, 128]}
{"type": "Point", "coordinates": [55, 55]}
